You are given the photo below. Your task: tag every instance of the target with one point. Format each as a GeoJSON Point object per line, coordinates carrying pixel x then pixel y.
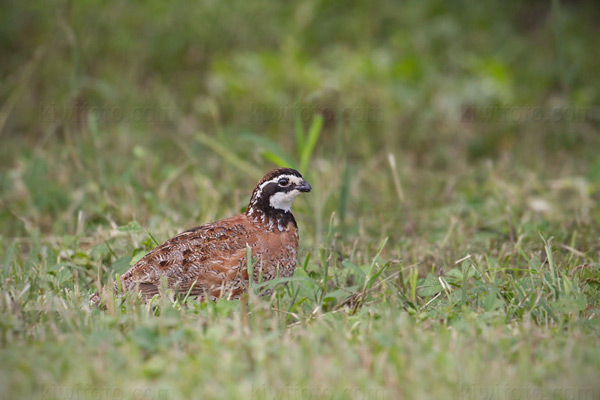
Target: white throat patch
{"type": "Point", "coordinates": [283, 200]}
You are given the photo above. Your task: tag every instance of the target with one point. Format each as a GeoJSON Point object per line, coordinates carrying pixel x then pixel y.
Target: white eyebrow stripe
{"type": "Point", "coordinates": [293, 178]}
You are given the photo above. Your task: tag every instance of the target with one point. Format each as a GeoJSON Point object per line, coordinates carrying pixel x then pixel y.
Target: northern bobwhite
{"type": "Point", "coordinates": [209, 261]}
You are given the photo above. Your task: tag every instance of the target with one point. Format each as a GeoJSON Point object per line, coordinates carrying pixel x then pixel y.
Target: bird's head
{"type": "Point", "coordinates": [276, 192]}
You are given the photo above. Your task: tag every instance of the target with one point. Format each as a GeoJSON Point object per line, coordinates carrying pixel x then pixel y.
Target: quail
{"type": "Point", "coordinates": [209, 261]}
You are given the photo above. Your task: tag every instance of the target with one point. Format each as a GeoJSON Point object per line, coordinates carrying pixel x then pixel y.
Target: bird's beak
{"type": "Point", "coordinates": [304, 186]}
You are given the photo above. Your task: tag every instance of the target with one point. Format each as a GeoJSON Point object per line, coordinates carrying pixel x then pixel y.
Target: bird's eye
{"type": "Point", "coordinates": [284, 182]}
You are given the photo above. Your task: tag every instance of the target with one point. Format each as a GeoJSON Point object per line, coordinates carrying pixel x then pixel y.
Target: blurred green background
{"type": "Point", "coordinates": [466, 133]}
{"type": "Point", "coordinates": [102, 102]}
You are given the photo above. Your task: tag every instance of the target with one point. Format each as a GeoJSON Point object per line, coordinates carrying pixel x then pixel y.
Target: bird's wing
{"type": "Point", "coordinates": [202, 260]}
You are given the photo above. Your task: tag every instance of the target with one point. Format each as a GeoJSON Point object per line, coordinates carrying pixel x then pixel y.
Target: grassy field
{"type": "Point", "coordinates": [450, 248]}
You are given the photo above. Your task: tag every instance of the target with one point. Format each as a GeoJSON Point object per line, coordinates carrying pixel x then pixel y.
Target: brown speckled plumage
{"type": "Point", "coordinates": [209, 261]}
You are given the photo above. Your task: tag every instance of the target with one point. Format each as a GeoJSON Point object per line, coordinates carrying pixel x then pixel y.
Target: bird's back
{"type": "Point", "coordinates": [210, 260]}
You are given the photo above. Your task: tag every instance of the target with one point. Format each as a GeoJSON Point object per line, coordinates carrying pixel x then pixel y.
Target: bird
{"type": "Point", "coordinates": [210, 261]}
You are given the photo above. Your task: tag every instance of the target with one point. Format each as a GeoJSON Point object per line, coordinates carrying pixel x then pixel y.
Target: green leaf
{"type": "Point", "coordinates": [228, 155]}
{"type": "Point", "coordinates": [122, 264]}
{"type": "Point", "coordinates": [274, 282]}
{"type": "Point", "coordinates": [431, 286]}
{"type": "Point", "coordinates": [137, 256]}
{"type": "Point", "coordinates": [455, 273]}
{"type": "Point", "coordinates": [341, 293]}
{"type": "Point", "coordinates": [275, 159]}
{"type": "Point", "coordinates": [570, 304]}
{"type": "Point", "coordinates": [299, 131]}
{"type": "Point", "coordinates": [145, 338]}
{"type": "Point", "coordinates": [249, 266]}
{"type": "Point", "coordinates": [354, 267]}
{"type": "Point", "coordinates": [308, 281]}
{"type": "Point", "coordinates": [133, 226]}
{"type": "Point", "coordinates": [272, 151]}
{"type": "Point", "coordinates": [309, 146]}
{"type": "Point", "coordinates": [100, 251]}
{"type": "Point", "coordinates": [377, 274]}
{"type": "Point", "coordinates": [492, 302]}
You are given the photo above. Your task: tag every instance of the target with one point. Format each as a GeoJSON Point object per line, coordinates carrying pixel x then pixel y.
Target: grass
{"type": "Point", "coordinates": [449, 248]}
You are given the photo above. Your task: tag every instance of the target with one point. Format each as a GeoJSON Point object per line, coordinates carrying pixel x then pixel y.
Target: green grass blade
{"type": "Point", "coordinates": [229, 156]}
{"type": "Point", "coordinates": [309, 145]}
{"type": "Point", "coordinates": [272, 151]}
